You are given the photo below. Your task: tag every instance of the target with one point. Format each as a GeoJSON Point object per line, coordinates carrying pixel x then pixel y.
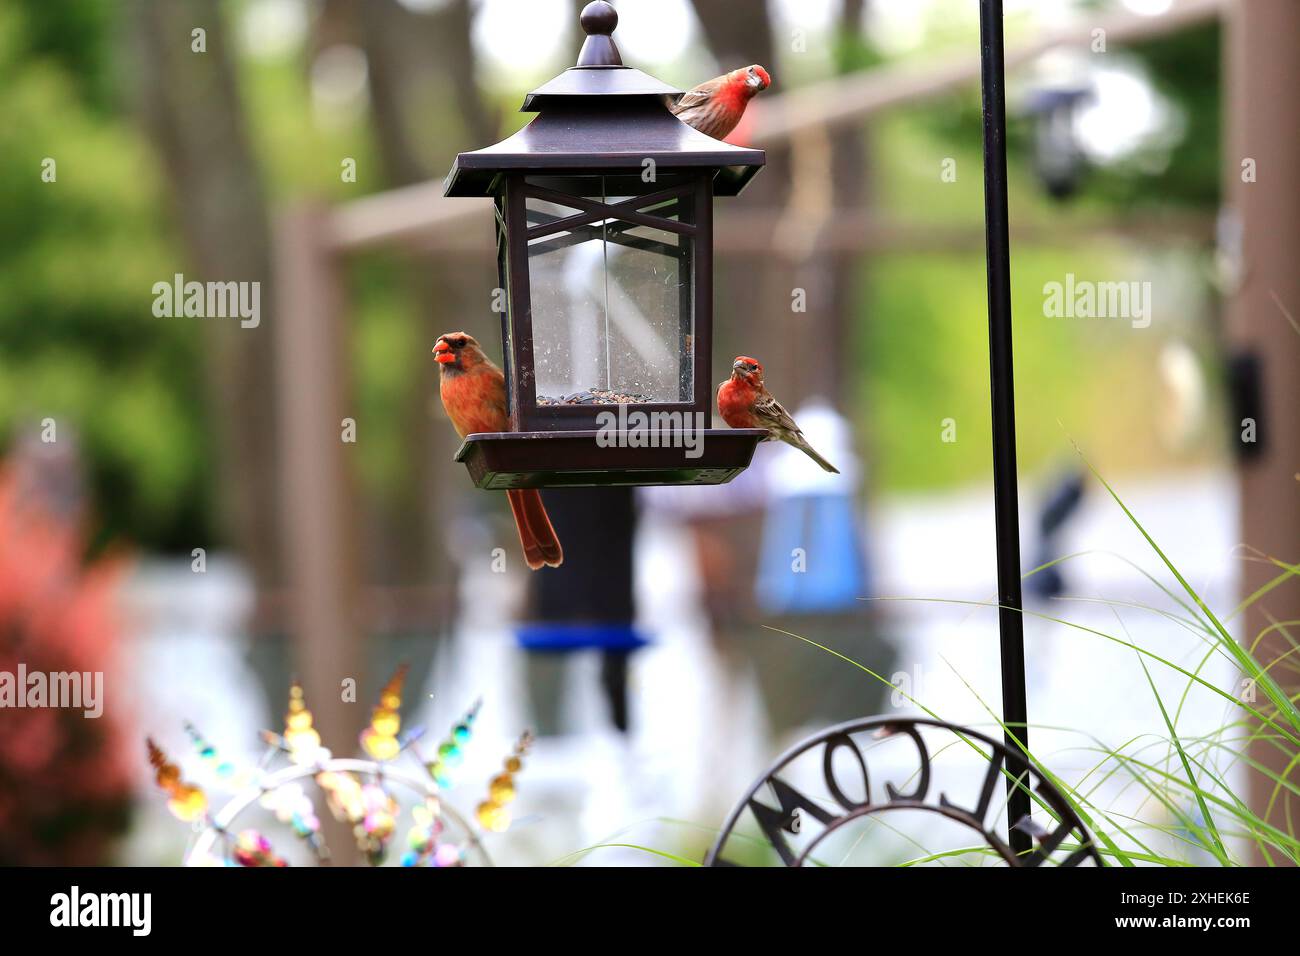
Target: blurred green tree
{"type": "Point", "coordinates": [82, 245]}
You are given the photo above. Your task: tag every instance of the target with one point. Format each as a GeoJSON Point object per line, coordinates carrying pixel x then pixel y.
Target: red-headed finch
{"type": "Point", "coordinates": [715, 107]}
{"type": "Point", "coordinates": [474, 393]}
{"type": "Point", "coordinates": [745, 402]}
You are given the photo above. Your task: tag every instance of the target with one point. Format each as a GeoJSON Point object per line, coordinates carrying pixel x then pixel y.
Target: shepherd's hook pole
{"type": "Point", "coordinates": [1002, 388]}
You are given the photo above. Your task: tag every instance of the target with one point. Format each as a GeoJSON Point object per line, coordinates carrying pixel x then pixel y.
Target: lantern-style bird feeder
{"type": "Point", "coordinates": [605, 252]}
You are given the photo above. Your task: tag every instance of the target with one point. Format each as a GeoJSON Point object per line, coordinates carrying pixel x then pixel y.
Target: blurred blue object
{"type": "Point", "coordinates": [1059, 506]}
{"type": "Point", "coordinates": [813, 558]}
{"type": "Point", "coordinates": [834, 575]}
{"type": "Point", "coordinates": [578, 636]}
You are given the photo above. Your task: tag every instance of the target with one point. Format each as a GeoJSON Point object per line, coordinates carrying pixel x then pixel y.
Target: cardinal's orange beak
{"type": "Point", "coordinates": [442, 353]}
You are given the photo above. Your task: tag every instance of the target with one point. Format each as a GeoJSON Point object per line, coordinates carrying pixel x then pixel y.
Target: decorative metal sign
{"type": "Point", "coordinates": [795, 824]}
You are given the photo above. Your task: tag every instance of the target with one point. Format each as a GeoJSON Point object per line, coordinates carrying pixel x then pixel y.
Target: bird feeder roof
{"type": "Point", "coordinates": [602, 115]}
{"type": "Point", "coordinates": [579, 81]}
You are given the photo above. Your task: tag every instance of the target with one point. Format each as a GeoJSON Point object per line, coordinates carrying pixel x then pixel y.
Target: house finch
{"type": "Point", "coordinates": [474, 393]}
{"type": "Point", "coordinates": [745, 402]}
{"type": "Point", "coordinates": [715, 107]}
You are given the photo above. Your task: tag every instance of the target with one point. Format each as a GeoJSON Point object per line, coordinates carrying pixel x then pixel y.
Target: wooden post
{"type": "Point", "coordinates": [1262, 51]}
{"type": "Point", "coordinates": [317, 502]}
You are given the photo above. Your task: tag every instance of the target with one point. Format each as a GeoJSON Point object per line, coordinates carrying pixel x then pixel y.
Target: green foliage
{"type": "Point", "coordinates": [386, 360]}
{"type": "Point", "coordinates": [78, 257]}
{"type": "Point", "coordinates": [72, 36]}
{"type": "Point", "coordinates": [1185, 69]}
{"type": "Point", "coordinates": [925, 347]}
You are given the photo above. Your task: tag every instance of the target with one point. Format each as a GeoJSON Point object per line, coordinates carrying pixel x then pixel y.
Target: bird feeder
{"type": "Point", "coordinates": [605, 253]}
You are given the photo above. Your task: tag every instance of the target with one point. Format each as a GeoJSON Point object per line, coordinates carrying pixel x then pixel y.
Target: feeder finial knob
{"type": "Point", "coordinates": [598, 21]}
{"type": "Point", "coordinates": [599, 18]}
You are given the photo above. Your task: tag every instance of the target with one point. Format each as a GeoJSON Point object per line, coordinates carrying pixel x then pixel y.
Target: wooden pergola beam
{"type": "Point", "coordinates": [754, 232]}
{"type": "Point", "coordinates": [413, 214]}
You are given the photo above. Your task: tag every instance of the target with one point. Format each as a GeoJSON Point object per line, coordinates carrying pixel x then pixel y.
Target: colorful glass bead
{"type": "Point", "coordinates": [379, 823]}
{"type": "Point", "coordinates": [502, 788]}
{"type": "Point", "coordinates": [451, 751]}
{"type": "Point", "coordinates": [492, 816]}
{"type": "Point", "coordinates": [379, 745]}
{"type": "Point", "coordinates": [427, 814]}
{"type": "Point", "coordinates": [380, 738]}
{"type": "Point", "coordinates": [446, 855]}
{"type": "Point", "coordinates": [343, 794]}
{"type": "Point", "coordinates": [222, 768]}
{"type": "Point", "coordinates": [300, 736]}
{"type": "Point", "coordinates": [187, 803]}
{"type": "Point", "coordinates": [253, 849]}
{"type": "Point", "coordinates": [439, 772]}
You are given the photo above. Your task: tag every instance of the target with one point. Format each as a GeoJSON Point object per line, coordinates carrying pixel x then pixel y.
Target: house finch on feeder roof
{"type": "Point", "coordinates": [474, 394]}
{"type": "Point", "coordinates": [745, 402]}
{"type": "Point", "coordinates": [714, 108]}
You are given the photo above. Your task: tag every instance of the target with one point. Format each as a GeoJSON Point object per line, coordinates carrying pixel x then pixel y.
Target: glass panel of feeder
{"type": "Point", "coordinates": [612, 310]}
{"type": "Point", "coordinates": [649, 311]}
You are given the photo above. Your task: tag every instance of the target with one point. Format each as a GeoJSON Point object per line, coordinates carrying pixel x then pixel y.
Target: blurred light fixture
{"type": "Point", "coordinates": [1125, 119]}
{"type": "Point", "coordinates": [1059, 161]}
{"type": "Point", "coordinates": [1062, 87]}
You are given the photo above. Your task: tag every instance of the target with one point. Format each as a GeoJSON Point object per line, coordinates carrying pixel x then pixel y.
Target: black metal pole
{"type": "Point", "coordinates": [1002, 387]}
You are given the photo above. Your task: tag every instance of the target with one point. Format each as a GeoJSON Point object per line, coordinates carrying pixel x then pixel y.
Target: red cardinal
{"type": "Point", "coordinates": [745, 402]}
{"type": "Point", "coordinates": [715, 107]}
{"type": "Point", "coordinates": [474, 394]}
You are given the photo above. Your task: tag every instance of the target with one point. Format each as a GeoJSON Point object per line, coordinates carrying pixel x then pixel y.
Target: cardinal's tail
{"type": "Point", "coordinates": [541, 546]}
